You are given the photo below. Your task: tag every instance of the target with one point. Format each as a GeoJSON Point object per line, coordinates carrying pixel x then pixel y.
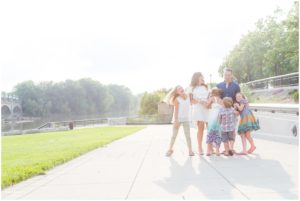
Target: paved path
{"type": "Point", "coordinates": [135, 168]}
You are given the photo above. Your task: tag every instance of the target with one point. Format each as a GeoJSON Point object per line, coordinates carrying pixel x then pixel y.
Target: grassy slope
{"type": "Point", "coordinates": [24, 156]}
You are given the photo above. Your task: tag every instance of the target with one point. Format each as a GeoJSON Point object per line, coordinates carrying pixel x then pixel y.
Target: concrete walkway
{"type": "Point", "coordinates": [135, 168]}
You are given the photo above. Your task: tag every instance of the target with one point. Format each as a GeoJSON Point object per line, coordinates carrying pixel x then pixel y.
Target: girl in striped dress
{"type": "Point", "coordinates": [247, 123]}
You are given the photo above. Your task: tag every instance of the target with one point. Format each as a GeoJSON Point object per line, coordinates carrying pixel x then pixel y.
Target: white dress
{"type": "Point", "coordinates": [213, 130]}
{"type": "Point", "coordinates": [213, 115]}
{"type": "Point", "coordinates": [199, 112]}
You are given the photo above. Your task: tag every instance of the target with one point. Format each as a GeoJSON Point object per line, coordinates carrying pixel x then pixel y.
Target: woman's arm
{"type": "Point", "coordinates": [193, 101]}
{"type": "Point", "coordinates": [205, 102]}
{"type": "Point", "coordinates": [209, 102]}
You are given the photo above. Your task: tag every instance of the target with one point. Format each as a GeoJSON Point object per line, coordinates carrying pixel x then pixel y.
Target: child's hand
{"type": "Point", "coordinates": [236, 112]}
{"type": "Point", "coordinates": [176, 124]}
{"type": "Point", "coordinates": [203, 102]}
{"type": "Point", "coordinates": [194, 101]}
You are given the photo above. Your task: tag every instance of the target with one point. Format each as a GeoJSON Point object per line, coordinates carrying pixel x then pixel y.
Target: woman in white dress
{"type": "Point", "coordinates": [198, 92]}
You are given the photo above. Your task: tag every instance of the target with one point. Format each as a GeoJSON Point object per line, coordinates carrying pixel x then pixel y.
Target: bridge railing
{"type": "Point", "coordinates": [287, 80]}
{"type": "Point", "coordinates": [131, 120]}
{"type": "Point", "coordinates": [5, 98]}
{"type": "Point", "coordinates": [278, 122]}
{"type": "Point", "coordinates": [276, 108]}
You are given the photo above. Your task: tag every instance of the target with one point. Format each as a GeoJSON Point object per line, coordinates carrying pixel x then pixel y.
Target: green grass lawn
{"type": "Point", "coordinates": [24, 156]}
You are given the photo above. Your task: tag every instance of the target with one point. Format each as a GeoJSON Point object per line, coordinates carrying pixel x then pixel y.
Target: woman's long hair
{"type": "Point", "coordinates": [195, 80]}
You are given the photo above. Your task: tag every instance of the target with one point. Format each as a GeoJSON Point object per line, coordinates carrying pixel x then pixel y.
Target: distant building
{"type": "Point", "coordinates": [165, 112]}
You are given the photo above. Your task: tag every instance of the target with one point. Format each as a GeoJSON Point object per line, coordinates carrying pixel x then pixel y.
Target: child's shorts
{"type": "Point", "coordinates": [228, 136]}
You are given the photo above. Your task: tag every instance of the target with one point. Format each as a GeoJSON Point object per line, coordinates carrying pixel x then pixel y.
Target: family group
{"type": "Point", "coordinates": [223, 111]}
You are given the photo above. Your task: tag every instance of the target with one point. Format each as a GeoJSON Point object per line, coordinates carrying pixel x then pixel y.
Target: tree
{"type": "Point", "coordinates": [28, 94]}
{"type": "Point", "coordinates": [270, 49]}
{"type": "Point", "coordinates": [74, 98]}
{"type": "Point", "coordinates": [123, 100]}
{"type": "Point", "coordinates": [149, 101]}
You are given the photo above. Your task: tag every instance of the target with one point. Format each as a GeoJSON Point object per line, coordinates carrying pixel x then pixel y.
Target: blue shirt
{"type": "Point", "coordinates": [230, 91]}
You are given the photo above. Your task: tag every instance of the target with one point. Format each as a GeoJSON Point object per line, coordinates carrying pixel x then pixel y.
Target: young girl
{"type": "Point", "coordinates": [247, 123]}
{"type": "Point", "coordinates": [227, 125]}
{"type": "Point", "coordinates": [213, 129]}
{"type": "Point", "coordinates": [182, 104]}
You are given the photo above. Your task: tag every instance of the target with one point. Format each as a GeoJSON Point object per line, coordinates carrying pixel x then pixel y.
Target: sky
{"type": "Point", "coordinates": [144, 45]}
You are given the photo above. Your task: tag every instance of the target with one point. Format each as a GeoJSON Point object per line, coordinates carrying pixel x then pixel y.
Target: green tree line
{"type": "Point", "coordinates": [271, 49]}
{"type": "Point", "coordinates": [71, 98]}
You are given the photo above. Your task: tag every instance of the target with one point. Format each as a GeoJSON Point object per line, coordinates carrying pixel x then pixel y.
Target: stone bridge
{"type": "Point", "coordinates": [10, 107]}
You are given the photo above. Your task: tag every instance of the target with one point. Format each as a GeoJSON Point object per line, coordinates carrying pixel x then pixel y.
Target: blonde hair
{"type": "Point", "coordinates": [195, 80]}
{"type": "Point", "coordinates": [172, 95]}
{"type": "Point", "coordinates": [216, 92]}
{"type": "Point", "coordinates": [228, 102]}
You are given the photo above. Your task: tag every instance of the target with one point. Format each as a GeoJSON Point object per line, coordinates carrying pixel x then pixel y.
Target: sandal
{"type": "Point", "coordinates": [241, 153]}
{"type": "Point", "coordinates": [191, 154]}
{"type": "Point", "coordinates": [169, 153]}
{"type": "Point", "coordinates": [251, 150]}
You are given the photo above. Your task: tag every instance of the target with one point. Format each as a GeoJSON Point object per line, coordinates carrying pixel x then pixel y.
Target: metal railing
{"type": "Point", "coordinates": [287, 80]}
{"type": "Point", "coordinates": [273, 108]}
{"type": "Point", "coordinates": [162, 118]}
{"type": "Point", "coordinates": [278, 122]}
{"type": "Point", "coordinates": [150, 119]}
{"type": "Point", "coordinates": [75, 123]}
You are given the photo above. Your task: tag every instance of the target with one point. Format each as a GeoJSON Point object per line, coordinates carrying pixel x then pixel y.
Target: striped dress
{"type": "Point", "coordinates": [248, 121]}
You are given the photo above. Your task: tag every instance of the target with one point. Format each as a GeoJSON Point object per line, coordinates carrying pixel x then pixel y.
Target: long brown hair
{"type": "Point", "coordinates": [195, 80]}
{"type": "Point", "coordinates": [172, 95]}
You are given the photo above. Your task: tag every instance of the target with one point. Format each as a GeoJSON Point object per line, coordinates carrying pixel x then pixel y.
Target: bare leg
{"type": "Point", "coordinates": [209, 149]}
{"type": "Point", "coordinates": [218, 150]}
{"type": "Point", "coordinates": [250, 139]}
{"type": "Point", "coordinates": [200, 126]}
{"type": "Point", "coordinates": [226, 147]}
{"type": "Point", "coordinates": [244, 144]}
{"type": "Point", "coordinates": [232, 143]}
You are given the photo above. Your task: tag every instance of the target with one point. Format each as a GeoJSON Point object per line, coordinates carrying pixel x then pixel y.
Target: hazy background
{"type": "Point", "coordinates": [144, 45]}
